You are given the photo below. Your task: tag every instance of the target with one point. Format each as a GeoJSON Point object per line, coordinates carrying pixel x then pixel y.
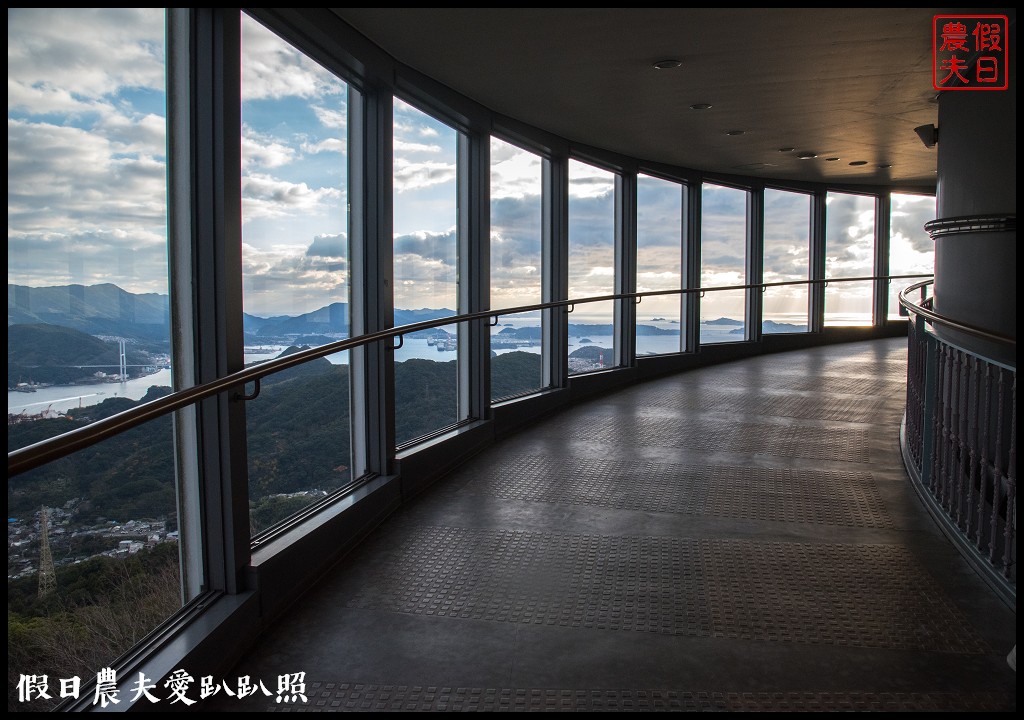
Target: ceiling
{"type": "Point", "coordinates": [842, 83]}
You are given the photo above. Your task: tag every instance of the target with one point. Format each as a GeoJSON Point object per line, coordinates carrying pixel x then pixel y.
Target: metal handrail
{"type": "Point", "coordinates": [45, 451]}
{"type": "Point", "coordinates": [937, 318]}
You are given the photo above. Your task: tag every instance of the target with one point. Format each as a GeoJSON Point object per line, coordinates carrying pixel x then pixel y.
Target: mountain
{"type": "Point", "coordinates": [770, 326]}
{"type": "Point", "coordinates": [94, 309]}
{"type": "Point", "coordinates": [723, 321]}
{"type": "Point", "coordinates": [331, 318]}
{"type": "Point", "coordinates": [405, 317]}
{"type": "Point", "coordinates": [53, 354]}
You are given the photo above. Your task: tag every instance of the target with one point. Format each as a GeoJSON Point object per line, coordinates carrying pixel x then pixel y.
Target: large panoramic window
{"type": "Point", "coordinates": [295, 273]}
{"type": "Point", "coordinates": [92, 552]}
{"type": "Point", "coordinates": [659, 265]}
{"type": "Point", "coordinates": [426, 272]}
{"type": "Point", "coordinates": [849, 253]}
{"type": "Point", "coordinates": [723, 262]}
{"type": "Point", "coordinates": [911, 250]}
{"type": "Point", "coordinates": [516, 269]}
{"type": "Point", "coordinates": [787, 258]}
{"type": "Point", "coordinates": [591, 267]}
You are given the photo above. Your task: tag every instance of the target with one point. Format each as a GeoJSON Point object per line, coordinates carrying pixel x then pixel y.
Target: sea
{"type": "Point", "coordinates": [49, 401]}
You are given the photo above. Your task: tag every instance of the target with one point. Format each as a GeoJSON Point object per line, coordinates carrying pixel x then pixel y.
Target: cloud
{"type": "Point", "coordinates": [85, 151]}
{"type": "Point", "coordinates": [263, 150]}
{"type": "Point", "coordinates": [786, 239]}
{"type": "Point", "coordinates": [330, 145]}
{"type": "Point", "coordinates": [590, 187]}
{"type": "Point", "coordinates": [135, 260]}
{"type": "Point", "coordinates": [62, 177]}
{"type": "Point", "coordinates": [909, 214]}
{"type": "Point", "coordinates": [515, 173]}
{"type": "Point", "coordinates": [78, 56]}
{"type": "Point", "coordinates": [410, 176]}
{"type": "Point", "coordinates": [401, 146]}
{"type": "Point", "coordinates": [273, 69]}
{"type": "Point", "coordinates": [439, 246]}
{"type": "Point", "coordinates": [281, 279]}
{"type": "Point", "coordinates": [328, 246]}
{"type": "Point", "coordinates": [331, 117]}
{"type": "Point", "coordinates": [266, 196]}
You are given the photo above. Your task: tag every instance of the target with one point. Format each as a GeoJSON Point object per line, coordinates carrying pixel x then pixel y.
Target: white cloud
{"type": "Point", "coordinates": [285, 279]}
{"type": "Point", "coordinates": [418, 175]}
{"type": "Point", "coordinates": [266, 196]}
{"type": "Point", "coordinates": [82, 54]}
{"type": "Point", "coordinates": [330, 117]}
{"type": "Point", "coordinates": [515, 173]}
{"type": "Point", "coordinates": [264, 150]}
{"type": "Point", "coordinates": [587, 181]}
{"type": "Point", "coordinates": [334, 145]}
{"type": "Point", "coordinates": [273, 69]}
{"type": "Point", "coordinates": [402, 146]}
{"type": "Point", "coordinates": [62, 177]}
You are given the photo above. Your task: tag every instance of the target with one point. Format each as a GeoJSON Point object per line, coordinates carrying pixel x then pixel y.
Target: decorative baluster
{"type": "Point", "coordinates": [1010, 532]}
{"type": "Point", "coordinates": [947, 431]}
{"type": "Point", "coordinates": [956, 445]}
{"type": "Point", "coordinates": [973, 433]}
{"type": "Point", "coordinates": [935, 481]}
{"type": "Point", "coordinates": [997, 475]}
{"type": "Point", "coordinates": [986, 421]}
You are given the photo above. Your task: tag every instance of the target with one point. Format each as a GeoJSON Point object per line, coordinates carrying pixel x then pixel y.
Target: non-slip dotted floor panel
{"type": "Point", "coordinates": [846, 409]}
{"type": "Point", "coordinates": [774, 494]}
{"type": "Point", "coordinates": [348, 697]}
{"type": "Point", "coordinates": [857, 595]}
{"type": "Point", "coordinates": [713, 435]}
{"type": "Point", "coordinates": [804, 382]}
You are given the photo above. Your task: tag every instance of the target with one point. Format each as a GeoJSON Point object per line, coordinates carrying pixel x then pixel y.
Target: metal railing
{"type": "Point", "coordinates": [38, 454]}
{"type": "Point", "coordinates": [959, 439]}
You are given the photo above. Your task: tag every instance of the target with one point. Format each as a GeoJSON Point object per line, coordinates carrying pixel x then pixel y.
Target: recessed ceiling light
{"type": "Point", "coordinates": [786, 149]}
{"type": "Point", "coordinates": [701, 106]}
{"type": "Point", "coordinates": [859, 162]}
{"type": "Point", "coordinates": [831, 159]}
{"type": "Point", "coordinates": [735, 132]}
{"type": "Point", "coordinates": [666, 64]}
{"type": "Point", "coordinates": [807, 155]}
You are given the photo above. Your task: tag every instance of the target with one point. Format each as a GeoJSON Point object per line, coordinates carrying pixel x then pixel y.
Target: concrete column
{"type": "Point", "coordinates": [975, 232]}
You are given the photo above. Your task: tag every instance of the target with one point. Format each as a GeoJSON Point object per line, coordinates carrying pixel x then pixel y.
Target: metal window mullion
{"type": "Point", "coordinates": [370, 297]}
{"type": "Point", "coordinates": [816, 296]}
{"type": "Point", "coordinates": [474, 289]}
{"type": "Point", "coordinates": [179, 251]}
{"type": "Point", "coordinates": [692, 197]}
{"type": "Point", "coordinates": [555, 269]}
{"type": "Point", "coordinates": [625, 268]}
{"type": "Point", "coordinates": [205, 157]}
{"type": "Point", "coordinates": [755, 263]}
{"type": "Point", "coordinates": [883, 218]}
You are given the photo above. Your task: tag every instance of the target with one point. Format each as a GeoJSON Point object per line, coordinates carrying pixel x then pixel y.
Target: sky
{"type": "Point", "coordinates": [87, 187]}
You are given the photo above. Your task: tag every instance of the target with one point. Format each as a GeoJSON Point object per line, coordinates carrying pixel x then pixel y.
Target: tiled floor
{"type": "Point", "coordinates": [740, 537]}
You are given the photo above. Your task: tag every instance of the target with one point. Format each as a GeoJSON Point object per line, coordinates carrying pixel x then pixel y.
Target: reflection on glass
{"type": "Point", "coordinates": [92, 554]}
{"type": "Point", "coordinates": [911, 250]}
{"type": "Point", "coordinates": [516, 269]}
{"type": "Point", "coordinates": [787, 257]}
{"type": "Point", "coordinates": [659, 264]}
{"type": "Point", "coordinates": [426, 272]}
{"type": "Point", "coordinates": [295, 273]}
{"type": "Point", "coordinates": [591, 267]}
{"type": "Point", "coordinates": [723, 262]}
{"type": "Point", "coordinates": [849, 253]}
